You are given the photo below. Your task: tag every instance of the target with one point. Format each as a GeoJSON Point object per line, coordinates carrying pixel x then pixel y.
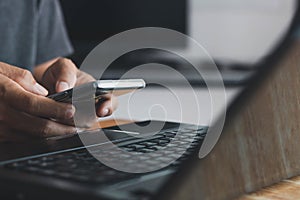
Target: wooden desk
{"type": "Point", "coordinates": [288, 189]}
{"type": "Point", "coordinates": [112, 122]}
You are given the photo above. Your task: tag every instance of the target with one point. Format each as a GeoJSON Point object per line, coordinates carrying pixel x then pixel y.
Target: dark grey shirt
{"type": "Point", "coordinates": [32, 32]}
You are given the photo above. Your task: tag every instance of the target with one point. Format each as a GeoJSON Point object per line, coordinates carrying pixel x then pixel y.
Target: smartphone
{"type": "Point", "coordinates": [98, 89]}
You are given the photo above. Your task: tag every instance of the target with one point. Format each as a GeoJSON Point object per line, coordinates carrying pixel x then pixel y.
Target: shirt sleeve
{"type": "Point", "coordinates": [52, 38]}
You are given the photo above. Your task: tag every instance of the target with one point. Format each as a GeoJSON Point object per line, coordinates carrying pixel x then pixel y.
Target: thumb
{"type": "Point", "coordinates": [61, 86]}
{"type": "Point", "coordinates": [65, 82]}
{"type": "Point", "coordinates": [66, 76]}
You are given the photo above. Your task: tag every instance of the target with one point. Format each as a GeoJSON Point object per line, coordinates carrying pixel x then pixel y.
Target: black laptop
{"type": "Point", "coordinates": [65, 169]}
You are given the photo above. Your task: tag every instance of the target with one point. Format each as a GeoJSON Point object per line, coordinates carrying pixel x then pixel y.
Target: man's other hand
{"type": "Point", "coordinates": [25, 109]}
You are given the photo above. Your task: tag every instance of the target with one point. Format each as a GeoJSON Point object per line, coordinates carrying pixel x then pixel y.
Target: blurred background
{"type": "Point", "coordinates": [237, 34]}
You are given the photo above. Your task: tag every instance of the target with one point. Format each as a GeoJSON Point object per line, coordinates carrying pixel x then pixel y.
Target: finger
{"type": "Point", "coordinates": [83, 77]}
{"type": "Point", "coordinates": [106, 106]}
{"type": "Point", "coordinates": [69, 122]}
{"type": "Point", "coordinates": [66, 74]}
{"type": "Point", "coordinates": [22, 77]}
{"type": "Point", "coordinates": [14, 95]}
{"type": "Point", "coordinates": [34, 125]}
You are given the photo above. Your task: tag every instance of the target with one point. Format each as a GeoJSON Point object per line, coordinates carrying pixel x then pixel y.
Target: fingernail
{"type": "Point", "coordinates": [62, 86]}
{"type": "Point", "coordinates": [40, 89]}
{"type": "Point", "coordinates": [70, 112]}
{"type": "Point", "coordinates": [105, 112]}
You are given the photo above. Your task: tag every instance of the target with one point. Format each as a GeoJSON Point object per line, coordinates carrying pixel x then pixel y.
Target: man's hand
{"type": "Point", "coordinates": [62, 74]}
{"type": "Point", "coordinates": [25, 109]}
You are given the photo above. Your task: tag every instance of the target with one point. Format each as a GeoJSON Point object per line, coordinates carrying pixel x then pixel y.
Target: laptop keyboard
{"type": "Point", "coordinates": [80, 165]}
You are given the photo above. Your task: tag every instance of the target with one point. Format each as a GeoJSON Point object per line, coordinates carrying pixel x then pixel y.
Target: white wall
{"type": "Point", "coordinates": [180, 106]}
{"type": "Point", "coordinates": [239, 30]}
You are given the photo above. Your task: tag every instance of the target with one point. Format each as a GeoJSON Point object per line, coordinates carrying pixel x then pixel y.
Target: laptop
{"type": "Point", "coordinates": [47, 169]}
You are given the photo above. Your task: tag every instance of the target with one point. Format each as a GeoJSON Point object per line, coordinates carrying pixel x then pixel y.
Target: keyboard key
{"type": "Point", "coordinates": [147, 144]}
{"type": "Point", "coordinates": [136, 146]}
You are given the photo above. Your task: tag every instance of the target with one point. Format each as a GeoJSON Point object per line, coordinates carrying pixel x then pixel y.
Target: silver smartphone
{"type": "Point", "coordinates": [98, 89]}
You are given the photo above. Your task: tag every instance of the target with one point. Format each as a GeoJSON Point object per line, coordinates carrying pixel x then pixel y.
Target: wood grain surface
{"type": "Point", "coordinates": [285, 190]}
{"type": "Point", "coordinates": [260, 145]}
{"type": "Point", "coordinates": [111, 122]}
